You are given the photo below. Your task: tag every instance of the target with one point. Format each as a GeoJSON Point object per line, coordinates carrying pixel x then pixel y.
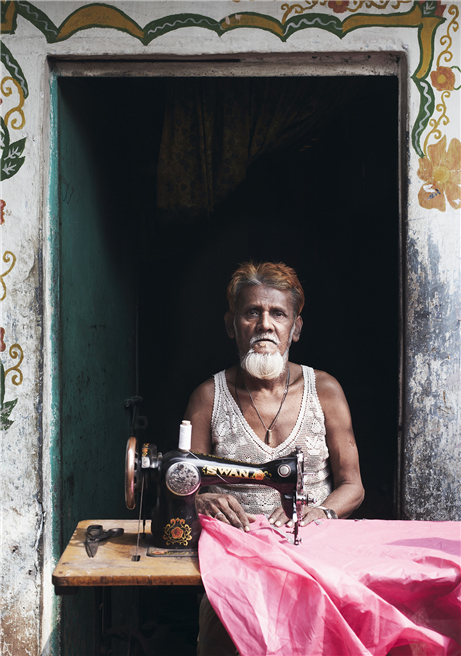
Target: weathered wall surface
{"type": "Point", "coordinates": [425, 35]}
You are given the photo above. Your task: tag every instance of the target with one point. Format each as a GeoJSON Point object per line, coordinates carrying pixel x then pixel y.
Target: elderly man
{"type": "Point", "coordinates": [262, 408]}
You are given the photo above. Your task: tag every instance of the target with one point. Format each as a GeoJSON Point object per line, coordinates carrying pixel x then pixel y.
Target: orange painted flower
{"type": "Point", "coordinates": [177, 533]}
{"type": "Point", "coordinates": [443, 79]}
{"type": "Point", "coordinates": [441, 173]}
{"type": "Point", "coordinates": [338, 7]}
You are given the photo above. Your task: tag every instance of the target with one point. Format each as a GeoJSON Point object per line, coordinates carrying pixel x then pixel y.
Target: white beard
{"type": "Point", "coordinates": [264, 365]}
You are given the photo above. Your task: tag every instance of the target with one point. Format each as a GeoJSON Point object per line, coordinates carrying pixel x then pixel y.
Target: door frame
{"type": "Point", "coordinates": [246, 65]}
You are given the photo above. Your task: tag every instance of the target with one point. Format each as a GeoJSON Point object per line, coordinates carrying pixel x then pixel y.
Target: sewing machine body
{"type": "Point", "coordinates": [180, 474]}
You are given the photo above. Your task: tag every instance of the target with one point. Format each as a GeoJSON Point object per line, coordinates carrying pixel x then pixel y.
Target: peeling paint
{"type": "Point", "coordinates": [431, 486]}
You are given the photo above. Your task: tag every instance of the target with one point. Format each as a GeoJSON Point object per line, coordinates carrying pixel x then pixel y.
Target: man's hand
{"type": "Point", "coordinates": [225, 508]}
{"type": "Point", "coordinates": [279, 518]}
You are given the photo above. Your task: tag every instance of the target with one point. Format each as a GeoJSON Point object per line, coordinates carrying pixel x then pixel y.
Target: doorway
{"type": "Point", "coordinates": [143, 297]}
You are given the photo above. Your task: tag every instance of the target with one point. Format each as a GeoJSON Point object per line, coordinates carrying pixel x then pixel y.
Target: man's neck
{"type": "Point", "coordinates": [266, 384]}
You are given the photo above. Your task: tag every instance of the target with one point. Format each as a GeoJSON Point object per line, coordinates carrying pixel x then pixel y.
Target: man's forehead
{"type": "Point", "coordinates": [259, 295]}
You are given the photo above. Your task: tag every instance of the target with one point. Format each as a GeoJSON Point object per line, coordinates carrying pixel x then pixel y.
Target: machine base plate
{"type": "Point", "coordinates": [176, 553]}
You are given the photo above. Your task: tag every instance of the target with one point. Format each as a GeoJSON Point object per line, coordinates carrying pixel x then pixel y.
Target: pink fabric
{"type": "Point", "coordinates": [352, 588]}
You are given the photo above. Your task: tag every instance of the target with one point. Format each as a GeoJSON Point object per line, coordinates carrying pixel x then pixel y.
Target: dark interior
{"type": "Point", "coordinates": [328, 208]}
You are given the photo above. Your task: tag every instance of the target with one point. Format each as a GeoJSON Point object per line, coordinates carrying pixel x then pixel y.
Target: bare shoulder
{"type": "Point", "coordinates": [203, 396]}
{"type": "Point", "coordinates": [326, 384]}
{"type": "Point", "coordinates": [333, 401]}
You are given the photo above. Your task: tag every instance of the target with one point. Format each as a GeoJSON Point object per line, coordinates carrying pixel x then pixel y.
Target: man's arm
{"type": "Point", "coordinates": [348, 492]}
{"type": "Point", "coordinates": [199, 412]}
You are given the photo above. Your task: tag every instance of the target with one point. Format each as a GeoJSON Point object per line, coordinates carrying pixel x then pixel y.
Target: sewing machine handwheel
{"type": "Point", "coordinates": [132, 472]}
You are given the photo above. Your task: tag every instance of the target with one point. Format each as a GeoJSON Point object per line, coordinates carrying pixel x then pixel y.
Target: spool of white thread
{"type": "Point", "coordinates": [185, 435]}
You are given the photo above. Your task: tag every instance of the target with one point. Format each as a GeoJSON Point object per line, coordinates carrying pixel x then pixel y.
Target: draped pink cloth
{"type": "Point", "coordinates": [352, 588]}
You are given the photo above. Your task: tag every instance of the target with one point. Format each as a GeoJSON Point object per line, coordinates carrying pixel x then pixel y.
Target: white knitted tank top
{"type": "Point", "coordinates": [233, 438]}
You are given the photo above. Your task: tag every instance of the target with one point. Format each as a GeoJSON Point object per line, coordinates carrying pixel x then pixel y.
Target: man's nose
{"type": "Point", "coordinates": [265, 323]}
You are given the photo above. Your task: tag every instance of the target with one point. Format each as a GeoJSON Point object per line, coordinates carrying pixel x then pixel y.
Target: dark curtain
{"type": "Point", "coordinates": [215, 128]}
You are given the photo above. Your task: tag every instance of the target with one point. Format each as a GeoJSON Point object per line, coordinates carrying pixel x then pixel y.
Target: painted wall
{"type": "Point", "coordinates": [425, 36]}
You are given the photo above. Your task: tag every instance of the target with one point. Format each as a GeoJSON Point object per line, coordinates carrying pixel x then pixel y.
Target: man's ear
{"type": "Point", "coordinates": [229, 321]}
{"type": "Point", "coordinates": [298, 328]}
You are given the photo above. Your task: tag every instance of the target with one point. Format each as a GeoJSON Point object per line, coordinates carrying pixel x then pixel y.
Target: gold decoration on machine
{"type": "Point", "coordinates": [7, 91]}
{"type": "Point", "coordinates": [177, 532]}
{"type": "Point", "coordinates": [8, 257]}
{"type": "Point", "coordinates": [16, 352]}
{"type": "Point", "coordinates": [237, 472]}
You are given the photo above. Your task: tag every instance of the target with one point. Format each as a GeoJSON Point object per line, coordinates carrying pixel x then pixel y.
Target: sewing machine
{"type": "Point", "coordinates": [179, 474]}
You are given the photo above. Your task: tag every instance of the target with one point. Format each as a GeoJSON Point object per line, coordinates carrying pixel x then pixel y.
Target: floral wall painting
{"type": "Point", "coordinates": [10, 259]}
{"type": "Point", "coordinates": [15, 351]}
{"type": "Point", "coordinates": [441, 172]}
{"type": "Point", "coordinates": [443, 79]}
{"type": "Point", "coordinates": [439, 166]}
{"type": "Point", "coordinates": [338, 18]}
{"type": "Point", "coordinates": [6, 407]}
{"type": "Point", "coordinates": [2, 211]}
{"type": "Point", "coordinates": [14, 91]}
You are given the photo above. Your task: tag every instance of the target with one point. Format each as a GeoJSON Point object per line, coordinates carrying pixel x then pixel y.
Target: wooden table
{"type": "Point", "coordinates": [113, 566]}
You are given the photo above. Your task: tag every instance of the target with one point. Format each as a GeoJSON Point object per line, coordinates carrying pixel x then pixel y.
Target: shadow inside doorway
{"type": "Point", "coordinates": [329, 208]}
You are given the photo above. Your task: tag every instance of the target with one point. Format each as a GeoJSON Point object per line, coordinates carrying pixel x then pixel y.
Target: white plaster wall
{"type": "Point", "coordinates": [431, 290]}
{"type": "Point", "coordinates": [22, 509]}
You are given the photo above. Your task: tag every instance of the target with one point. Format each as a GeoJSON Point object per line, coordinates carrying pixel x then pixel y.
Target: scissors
{"type": "Point", "coordinates": [96, 534]}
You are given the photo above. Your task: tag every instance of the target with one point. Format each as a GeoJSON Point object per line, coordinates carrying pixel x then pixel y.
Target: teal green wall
{"type": "Point", "coordinates": [98, 293]}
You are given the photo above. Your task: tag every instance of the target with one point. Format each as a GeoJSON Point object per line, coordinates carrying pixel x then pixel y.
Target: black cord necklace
{"type": "Point", "coordinates": [269, 430]}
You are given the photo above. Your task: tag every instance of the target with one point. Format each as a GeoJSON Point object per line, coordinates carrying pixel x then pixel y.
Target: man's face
{"type": "Point", "coordinates": [263, 320]}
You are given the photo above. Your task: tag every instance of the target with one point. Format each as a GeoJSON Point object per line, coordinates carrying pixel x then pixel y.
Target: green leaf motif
{"type": "Point", "coordinates": [38, 18]}
{"type": "Point", "coordinates": [15, 149]}
{"type": "Point", "coordinates": [5, 421]}
{"type": "Point", "coordinates": [4, 134]}
{"type": "Point", "coordinates": [11, 160]}
{"type": "Point", "coordinates": [8, 169]}
{"type": "Point", "coordinates": [426, 109]}
{"type": "Point", "coordinates": [322, 21]}
{"type": "Point", "coordinates": [13, 67]}
{"type": "Point", "coordinates": [7, 407]}
{"type": "Point", "coordinates": [428, 8]}
{"type": "Point", "coordinates": [161, 26]}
